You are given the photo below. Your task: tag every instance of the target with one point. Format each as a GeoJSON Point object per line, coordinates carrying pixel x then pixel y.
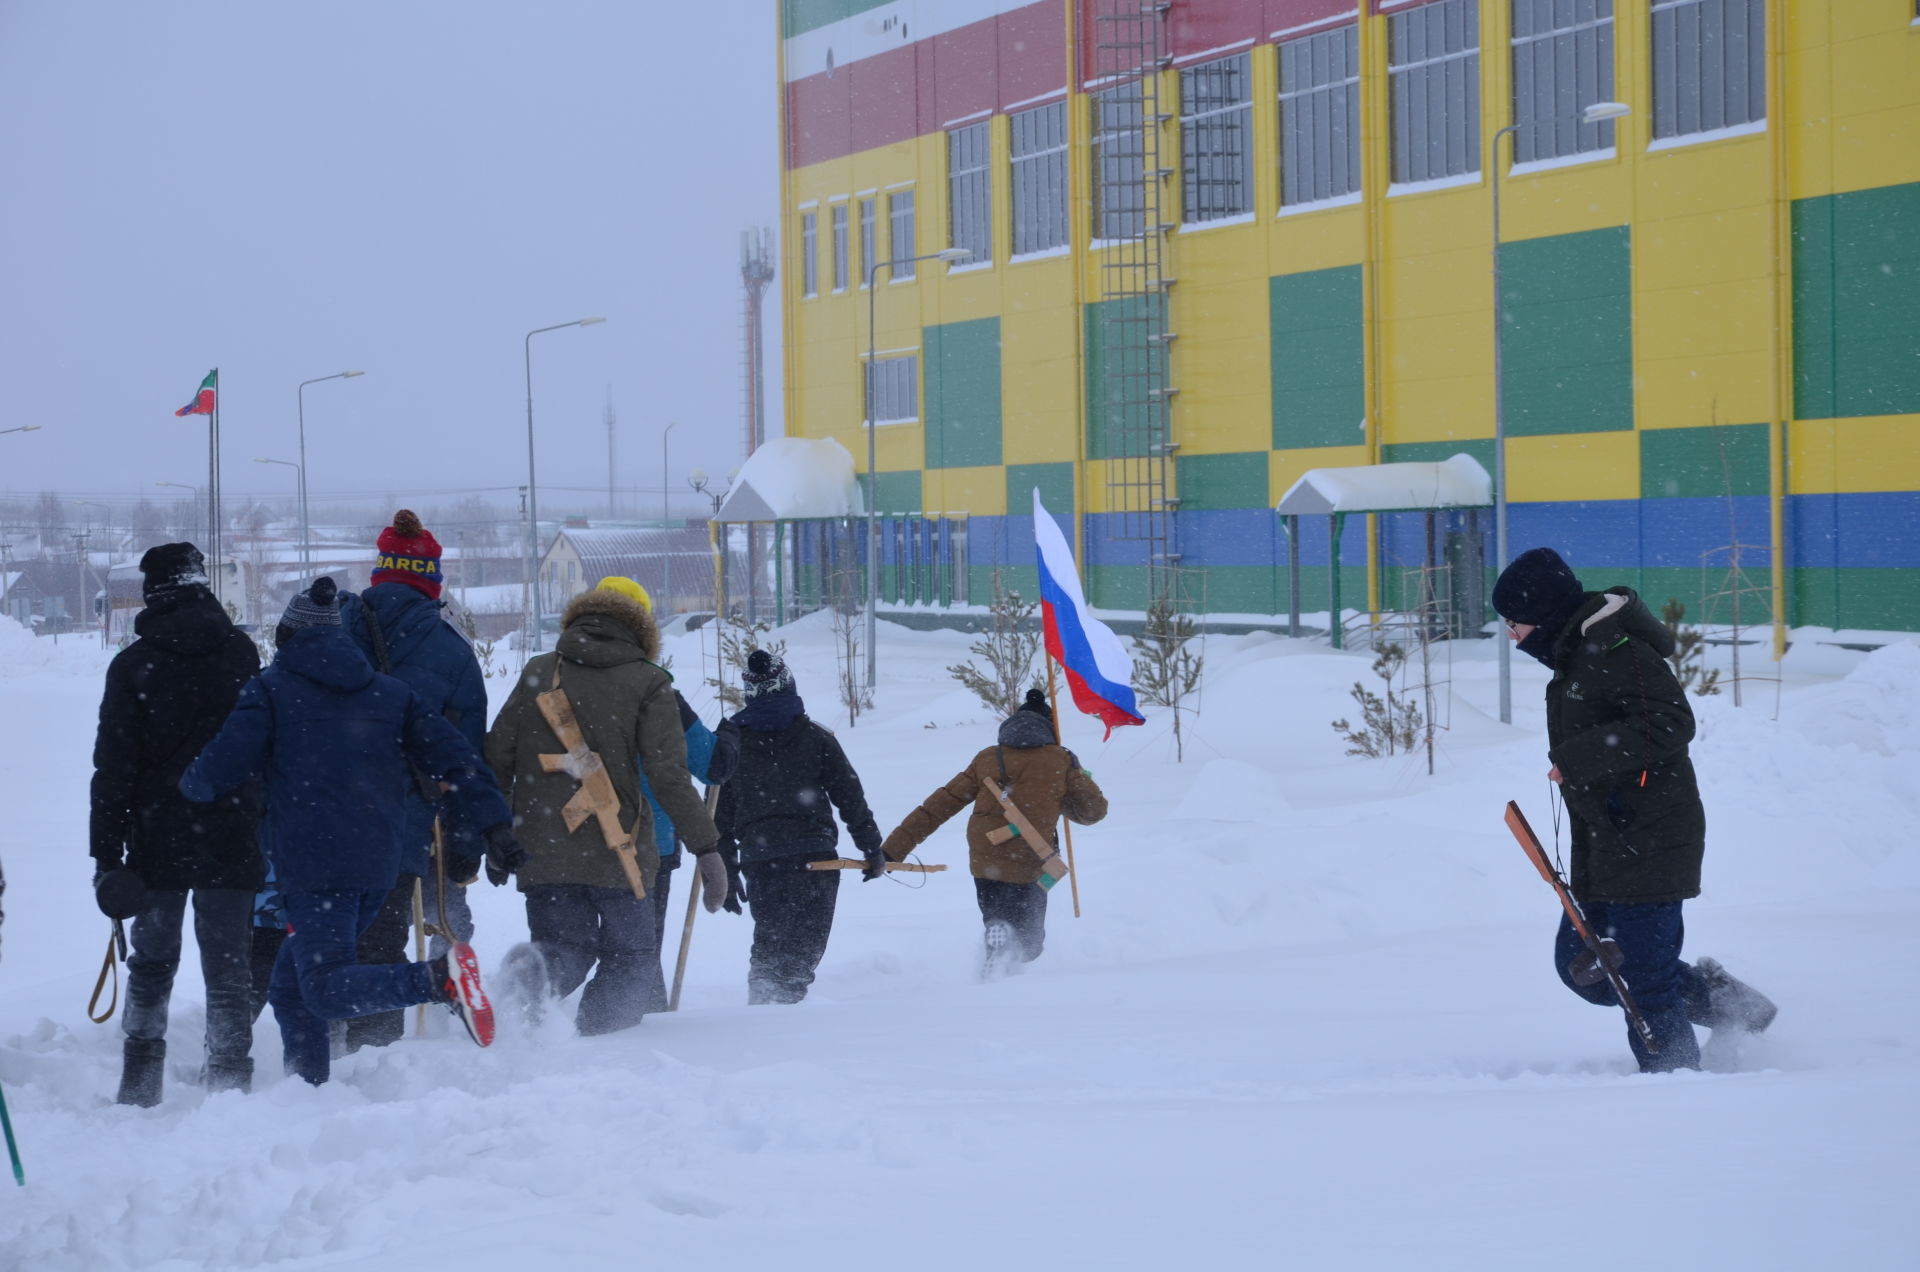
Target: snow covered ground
{"type": "Point", "coordinates": [1308, 1021]}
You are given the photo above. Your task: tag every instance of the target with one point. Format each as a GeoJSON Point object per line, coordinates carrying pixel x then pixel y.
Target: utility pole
{"type": "Point", "coordinates": [526, 573]}
{"type": "Point", "coordinates": [613, 510]}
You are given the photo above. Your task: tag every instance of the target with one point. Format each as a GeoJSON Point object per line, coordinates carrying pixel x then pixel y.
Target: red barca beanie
{"type": "Point", "coordinates": [409, 554]}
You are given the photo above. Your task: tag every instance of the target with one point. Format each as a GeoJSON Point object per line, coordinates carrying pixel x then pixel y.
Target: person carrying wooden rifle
{"type": "Point", "coordinates": [1618, 726]}
{"type": "Point", "coordinates": [568, 748]}
{"type": "Point", "coordinates": [1019, 789]}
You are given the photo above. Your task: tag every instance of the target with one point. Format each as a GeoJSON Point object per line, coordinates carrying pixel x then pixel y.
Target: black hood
{"type": "Point", "coordinates": [184, 620]}
{"type": "Point", "coordinates": [327, 656]}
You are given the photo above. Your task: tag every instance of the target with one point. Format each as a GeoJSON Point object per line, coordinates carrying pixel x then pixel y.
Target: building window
{"type": "Point", "coordinates": [893, 389]}
{"type": "Point", "coordinates": [1709, 65]}
{"type": "Point", "coordinates": [1562, 63]}
{"type": "Point", "coordinates": [1433, 77]}
{"type": "Point", "coordinates": [1119, 158]}
{"type": "Point", "coordinates": [869, 240]}
{"type": "Point", "coordinates": [1039, 178]}
{"type": "Point", "coordinates": [1320, 116]}
{"type": "Point", "coordinates": [809, 253]}
{"type": "Point", "coordinates": [900, 233]}
{"type": "Point", "coordinates": [970, 192]}
{"type": "Point", "coordinates": [839, 247]}
{"type": "Point", "coordinates": [1216, 139]}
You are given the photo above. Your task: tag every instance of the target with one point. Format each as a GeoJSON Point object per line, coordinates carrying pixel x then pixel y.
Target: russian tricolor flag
{"type": "Point", "coordinates": [1099, 673]}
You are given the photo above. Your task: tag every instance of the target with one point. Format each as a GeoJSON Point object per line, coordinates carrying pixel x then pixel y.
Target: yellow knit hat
{"type": "Point", "coordinates": [629, 589]}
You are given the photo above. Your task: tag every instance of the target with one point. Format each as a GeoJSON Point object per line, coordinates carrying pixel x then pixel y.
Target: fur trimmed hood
{"type": "Point", "coordinates": [602, 604]}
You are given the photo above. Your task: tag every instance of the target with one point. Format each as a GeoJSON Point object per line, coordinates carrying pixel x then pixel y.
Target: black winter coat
{"type": "Point", "coordinates": [167, 695]}
{"type": "Point", "coordinates": [1618, 726]}
{"type": "Point", "coordinates": [777, 803]}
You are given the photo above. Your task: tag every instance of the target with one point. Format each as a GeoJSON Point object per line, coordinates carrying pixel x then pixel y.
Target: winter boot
{"type": "Point", "coordinates": [525, 986]}
{"type": "Point", "coordinates": [143, 1073]}
{"type": "Point", "coordinates": [1729, 1003]}
{"type": "Point", "coordinates": [228, 1075]}
{"type": "Point", "coordinates": [456, 982]}
{"type": "Point", "coordinates": [1001, 954]}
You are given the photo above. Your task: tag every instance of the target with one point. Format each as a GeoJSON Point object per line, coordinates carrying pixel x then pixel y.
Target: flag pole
{"type": "Point", "coordinates": [213, 484]}
{"type": "Point", "coordinates": [1073, 872]}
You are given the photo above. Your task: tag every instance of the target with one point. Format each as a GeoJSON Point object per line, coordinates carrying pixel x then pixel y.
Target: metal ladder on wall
{"type": "Point", "coordinates": [1134, 212]}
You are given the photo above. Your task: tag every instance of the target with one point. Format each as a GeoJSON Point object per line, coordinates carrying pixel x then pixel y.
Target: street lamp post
{"type": "Point", "coordinates": [664, 434]}
{"type": "Point", "coordinates": [533, 494]}
{"type": "Point", "coordinates": [181, 485]}
{"type": "Point", "coordinates": [300, 396]}
{"type": "Point", "coordinates": [24, 428]}
{"type": "Point", "coordinates": [698, 480]}
{"type": "Point", "coordinates": [953, 256]}
{"type": "Point", "coordinates": [300, 485]}
{"type": "Point", "coordinates": [1594, 113]}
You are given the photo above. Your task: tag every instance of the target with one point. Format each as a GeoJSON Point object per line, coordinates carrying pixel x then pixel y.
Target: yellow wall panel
{"type": "Point", "coordinates": [1323, 239]}
{"type": "Point", "coordinates": [1703, 176]}
{"type": "Point", "coordinates": [1587, 196]}
{"type": "Point", "coordinates": [1693, 322]}
{"type": "Point", "coordinates": [1440, 346]}
{"type": "Point", "coordinates": [1573, 466]}
{"type": "Point", "coordinates": [1879, 149]}
{"type": "Point", "coordinates": [981, 491]}
{"type": "Point", "coordinates": [898, 447]}
{"type": "Point", "coordinates": [1289, 466]}
{"type": "Point", "coordinates": [1444, 283]}
{"type": "Point", "coordinates": [1438, 220]}
{"type": "Point", "coordinates": [1713, 247]}
{"type": "Point", "coordinates": [1441, 409]}
{"type": "Point", "coordinates": [1683, 392]}
{"type": "Point", "coordinates": [1871, 453]}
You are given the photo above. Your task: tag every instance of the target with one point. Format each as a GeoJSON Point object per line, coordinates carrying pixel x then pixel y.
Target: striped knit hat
{"type": "Point", "coordinates": [318, 606]}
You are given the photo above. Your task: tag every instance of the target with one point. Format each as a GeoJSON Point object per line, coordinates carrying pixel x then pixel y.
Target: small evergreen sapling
{"type": "Point", "coordinates": [1388, 722]}
{"type": "Point", "coordinates": [1165, 671]}
{"type": "Point", "coordinates": [1007, 648]}
{"type": "Point", "coordinates": [739, 637]}
{"type": "Point", "coordinates": [1689, 652]}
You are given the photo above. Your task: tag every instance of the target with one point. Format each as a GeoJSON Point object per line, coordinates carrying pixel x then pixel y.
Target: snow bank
{"type": "Point", "coordinates": [24, 655]}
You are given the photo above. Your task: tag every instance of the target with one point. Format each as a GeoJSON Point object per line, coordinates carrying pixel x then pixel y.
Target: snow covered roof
{"type": "Point", "coordinates": [794, 479]}
{"type": "Point", "coordinates": [1459, 482]}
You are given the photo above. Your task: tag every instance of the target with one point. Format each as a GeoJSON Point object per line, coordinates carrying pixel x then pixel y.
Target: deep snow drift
{"type": "Point", "coordinates": [1308, 1021]}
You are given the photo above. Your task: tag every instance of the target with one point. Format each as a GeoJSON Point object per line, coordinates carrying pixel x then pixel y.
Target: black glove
{"type": "Point", "coordinates": [462, 869]}
{"type": "Point", "coordinates": [876, 865]}
{"type": "Point", "coordinates": [736, 886]}
{"type": "Point", "coordinates": [504, 854]}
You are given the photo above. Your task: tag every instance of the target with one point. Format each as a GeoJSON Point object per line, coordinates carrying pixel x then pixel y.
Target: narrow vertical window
{"type": "Point", "coordinates": [1562, 63]}
{"type": "Point", "coordinates": [1039, 171]}
{"type": "Point", "coordinates": [970, 192]}
{"type": "Point", "coordinates": [839, 247]}
{"type": "Point", "coordinates": [1433, 90]}
{"type": "Point", "coordinates": [900, 233]}
{"type": "Point", "coordinates": [1709, 65]}
{"type": "Point", "coordinates": [809, 253]}
{"type": "Point", "coordinates": [1216, 139]}
{"type": "Point", "coordinates": [1320, 117]}
{"type": "Point", "coordinates": [1119, 164]}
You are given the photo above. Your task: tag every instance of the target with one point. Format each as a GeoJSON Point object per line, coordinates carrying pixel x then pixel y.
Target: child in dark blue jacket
{"type": "Point", "coordinates": [333, 741]}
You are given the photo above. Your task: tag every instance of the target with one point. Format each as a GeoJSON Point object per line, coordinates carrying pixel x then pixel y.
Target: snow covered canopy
{"type": "Point", "coordinates": [1459, 482]}
{"type": "Point", "coordinates": [794, 479]}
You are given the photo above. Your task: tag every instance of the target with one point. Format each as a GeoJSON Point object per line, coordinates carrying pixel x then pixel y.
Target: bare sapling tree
{"type": "Point", "coordinates": [849, 643]}
{"type": "Point", "coordinates": [1689, 651]}
{"type": "Point", "coordinates": [1002, 663]}
{"type": "Point", "coordinates": [1166, 671]}
{"type": "Point", "coordinates": [1389, 722]}
{"type": "Point", "coordinates": [738, 638]}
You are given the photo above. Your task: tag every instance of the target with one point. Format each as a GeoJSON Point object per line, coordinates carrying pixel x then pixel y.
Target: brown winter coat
{"type": "Point", "coordinates": [628, 714]}
{"type": "Point", "coordinates": [1046, 783]}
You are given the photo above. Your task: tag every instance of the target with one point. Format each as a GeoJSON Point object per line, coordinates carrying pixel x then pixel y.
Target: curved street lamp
{"type": "Point", "coordinates": [306, 538]}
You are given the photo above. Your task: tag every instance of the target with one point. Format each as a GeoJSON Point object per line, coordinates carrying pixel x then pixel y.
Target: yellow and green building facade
{"type": "Point", "coordinates": [1711, 322]}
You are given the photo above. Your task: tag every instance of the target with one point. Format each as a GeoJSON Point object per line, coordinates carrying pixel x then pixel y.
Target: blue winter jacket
{"type": "Point", "coordinates": [424, 650]}
{"type": "Point", "coordinates": [332, 739]}
{"type": "Point", "coordinates": [709, 760]}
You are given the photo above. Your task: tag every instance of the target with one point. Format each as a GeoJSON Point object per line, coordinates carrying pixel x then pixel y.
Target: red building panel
{"type": "Point", "coordinates": [1032, 52]}
{"type": "Point", "coordinates": [882, 100]}
{"type": "Point", "coordinates": [966, 73]}
{"type": "Point", "coordinates": [819, 119]}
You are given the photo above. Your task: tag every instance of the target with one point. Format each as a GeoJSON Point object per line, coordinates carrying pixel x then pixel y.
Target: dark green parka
{"type": "Point", "coordinates": [628, 713]}
{"type": "Point", "coordinates": [1618, 726]}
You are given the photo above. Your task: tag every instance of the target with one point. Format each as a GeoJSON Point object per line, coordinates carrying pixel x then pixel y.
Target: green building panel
{"type": "Point", "coordinates": [1481, 448]}
{"type": "Point", "coordinates": [1856, 303]}
{"type": "Point", "coordinates": [1121, 364]}
{"type": "Point", "coordinates": [1869, 599]}
{"type": "Point", "coordinates": [1054, 481]}
{"type": "Point", "coordinates": [1222, 483]}
{"type": "Point", "coordinates": [800, 16]}
{"type": "Point", "coordinates": [1567, 333]}
{"type": "Point", "coordinates": [898, 492]}
{"type": "Point", "coordinates": [1710, 462]}
{"type": "Point", "coordinates": [962, 393]}
{"type": "Point", "coordinates": [1319, 360]}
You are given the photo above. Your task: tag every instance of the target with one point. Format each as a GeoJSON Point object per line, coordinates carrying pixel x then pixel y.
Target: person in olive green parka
{"type": "Point", "coordinates": [581, 910]}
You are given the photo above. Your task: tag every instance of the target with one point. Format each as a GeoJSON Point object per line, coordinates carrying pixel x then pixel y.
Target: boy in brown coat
{"type": "Point", "coordinates": [1045, 781]}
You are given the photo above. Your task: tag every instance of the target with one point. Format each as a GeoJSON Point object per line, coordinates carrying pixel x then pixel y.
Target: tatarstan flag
{"type": "Point", "coordinates": [203, 400]}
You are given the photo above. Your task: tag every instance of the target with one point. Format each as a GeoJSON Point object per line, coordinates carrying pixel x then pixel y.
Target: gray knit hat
{"type": "Point", "coordinates": [318, 606]}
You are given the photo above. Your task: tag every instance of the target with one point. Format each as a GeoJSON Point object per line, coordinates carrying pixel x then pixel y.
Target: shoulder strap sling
{"type": "Point", "coordinates": [1019, 826]}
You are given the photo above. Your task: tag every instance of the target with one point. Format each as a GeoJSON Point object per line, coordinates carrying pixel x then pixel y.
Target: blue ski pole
{"type": "Point", "coordinates": [13, 1149]}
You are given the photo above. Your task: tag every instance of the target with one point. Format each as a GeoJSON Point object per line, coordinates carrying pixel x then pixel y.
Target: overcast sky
{"type": "Point", "coordinates": [287, 190]}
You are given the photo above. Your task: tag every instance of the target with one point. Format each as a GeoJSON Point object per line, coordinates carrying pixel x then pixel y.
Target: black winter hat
{"type": "Point", "coordinates": [1537, 589]}
{"type": "Point", "coordinates": [1037, 703]}
{"type": "Point", "coordinates": [765, 674]}
{"type": "Point", "coordinates": [171, 565]}
{"type": "Point", "coordinates": [318, 606]}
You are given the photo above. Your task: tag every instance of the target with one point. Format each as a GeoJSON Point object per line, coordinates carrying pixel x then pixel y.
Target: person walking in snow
{"type": "Point", "coordinates": [711, 757]}
{"type": "Point", "coordinates": [775, 817]}
{"type": "Point", "coordinates": [581, 909]}
{"type": "Point", "coordinates": [399, 624]}
{"type": "Point", "coordinates": [1618, 729]}
{"type": "Point", "coordinates": [336, 744]}
{"type": "Point", "coordinates": [1045, 782]}
{"type": "Point", "coordinates": [166, 696]}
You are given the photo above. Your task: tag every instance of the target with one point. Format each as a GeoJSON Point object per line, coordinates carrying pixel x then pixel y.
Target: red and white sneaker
{"type": "Point", "coordinates": [464, 996]}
